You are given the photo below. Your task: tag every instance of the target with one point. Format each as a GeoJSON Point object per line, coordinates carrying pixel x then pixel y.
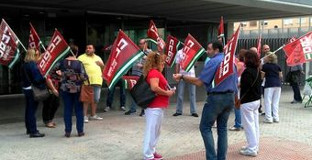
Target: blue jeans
{"type": "Point", "coordinates": [30, 112]}
{"type": "Point", "coordinates": [97, 93]}
{"type": "Point", "coordinates": [110, 97]}
{"type": "Point", "coordinates": [133, 105]}
{"type": "Point", "coordinates": [71, 100]}
{"type": "Point", "coordinates": [238, 118]}
{"type": "Point", "coordinates": [218, 107]}
{"type": "Point", "coordinates": [192, 97]}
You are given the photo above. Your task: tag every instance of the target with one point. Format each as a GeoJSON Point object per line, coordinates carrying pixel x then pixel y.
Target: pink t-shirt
{"type": "Point", "coordinates": [160, 101]}
{"type": "Point", "coordinates": [240, 67]}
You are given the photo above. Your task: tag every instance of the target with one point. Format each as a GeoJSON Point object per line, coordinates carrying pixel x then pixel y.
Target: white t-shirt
{"type": "Point", "coordinates": [179, 57]}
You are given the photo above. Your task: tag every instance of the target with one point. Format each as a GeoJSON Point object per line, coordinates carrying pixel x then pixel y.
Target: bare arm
{"type": "Point", "coordinates": [193, 80]}
{"type": "Point", "coordinates": [281, 75]}
{"type": "Point", "coordinates": [177, 68]}
{"type": "Point", "coordinates": [101, 64]}
{"type": "Point", "coordinates": [51, 86]}
{"type": "Point", "coordinates": [155, 87]}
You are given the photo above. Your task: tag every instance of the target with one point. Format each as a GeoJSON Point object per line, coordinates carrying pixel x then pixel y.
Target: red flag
{"type": "Point", "coordinates": [130, 81]}
{"type": "Point", "coordinates": [171, 49]}
{"type": "Point", "coordinates": [57, 49]}
{"type": "Point", "coordinates": [221, 28]}
{"type": "Point", "coordinates": [34, 40]}
{"type": "Point", "coordinates": [9, 45]}
{"type": "Point", "coordinates": [292, 39]}
{"type": "Point", "coordinates": [123, 55]}
{"type": "Point", "coordinates": [192, 51]}
{"type": "Point", "coordinates": [299, 51]}
{"type": "Point", "coordinates": [227, 65]}
{"type": "Point", "coordinates": [152, 33]}
{"type": "Point", "coordinates": [259, 46]}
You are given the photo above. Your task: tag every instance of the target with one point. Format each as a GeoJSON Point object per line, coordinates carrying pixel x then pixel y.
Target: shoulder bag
{"type": "Point", "coordinates": [142, 93]}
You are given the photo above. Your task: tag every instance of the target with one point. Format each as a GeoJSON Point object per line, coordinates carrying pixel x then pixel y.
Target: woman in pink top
{"type": "Point", "coordinates": [240, 65]}
{"type": "Point", "coordinates": [154, 113]}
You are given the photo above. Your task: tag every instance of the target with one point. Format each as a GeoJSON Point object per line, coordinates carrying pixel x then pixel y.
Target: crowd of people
{"type": "Point", "coordinates": [78, 81]}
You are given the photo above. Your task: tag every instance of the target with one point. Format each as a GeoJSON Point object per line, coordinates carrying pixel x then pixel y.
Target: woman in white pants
{"type": "Point", "coordinates": [250, 94]}
{"type": "Point", "coordinates": [154, 113]}
{"type": "Point", "coordinates": [272, 88]}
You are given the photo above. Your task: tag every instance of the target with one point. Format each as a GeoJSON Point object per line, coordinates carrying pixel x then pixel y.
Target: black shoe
{"type": "Point", "coordinates": [81, 134]}
{"type": "Point", "coordinates": [194, 114]}
{"type": "Point", "coordinates": [129, 113]}
{"type": "Point", "coordinates": [142, 113]}
{"type": "Point", "coordinates": [177, 114]}
{"type": "Point", "coordinates": [295, 102]}
{"type": "Point", "coordinates": [67, 134]}
{"type": "Point", "coordinates": [36, 135]}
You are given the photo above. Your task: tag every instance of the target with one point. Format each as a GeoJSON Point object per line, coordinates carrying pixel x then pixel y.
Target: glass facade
{"type": "Point", "coordinates": [83, 28]}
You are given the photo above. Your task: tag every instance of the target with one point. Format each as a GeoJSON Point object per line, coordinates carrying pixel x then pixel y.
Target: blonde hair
{"type": "Point", "coordinates": [31, 55]}
{"type": "Point", "coordinates": [154, 60]}
{"type": "Point", "coordinates": [272, 58]}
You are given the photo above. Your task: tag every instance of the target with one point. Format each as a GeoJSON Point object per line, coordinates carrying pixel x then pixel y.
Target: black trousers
{"type": "Point", "coordinates": [50, 106]}
{"type": "Point", "coordinates": [297, 94]}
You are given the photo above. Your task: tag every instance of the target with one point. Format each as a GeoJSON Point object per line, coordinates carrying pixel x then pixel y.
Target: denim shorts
{"type": "Point", "coordinates": [97, 93]}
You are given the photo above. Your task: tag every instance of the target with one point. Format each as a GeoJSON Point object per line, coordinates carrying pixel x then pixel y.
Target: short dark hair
{"type": "Point", "coordinates": [241, 54]}
{"type": "Point", "coordinates": [217, 45]}
{"type": "Point", "coordinates": [90, 45]}
{"type": "Point", "coordinates": [251, 59]}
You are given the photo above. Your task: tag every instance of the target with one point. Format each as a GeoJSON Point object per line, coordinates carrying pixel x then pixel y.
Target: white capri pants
{"type": "Point", "coordinates": [250, 121]}
{"type": "Point", "coordinates": [153, 117]}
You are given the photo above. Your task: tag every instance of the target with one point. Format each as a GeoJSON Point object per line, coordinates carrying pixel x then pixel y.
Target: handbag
{"type": "Point", "coordinates": [87, 94]}
{"type": "Point", "coordinates": [237, 100]}
{"type": "Point", "coordinates": [39, 94]}
{"type": "Point", "coordinates": [142, 93]}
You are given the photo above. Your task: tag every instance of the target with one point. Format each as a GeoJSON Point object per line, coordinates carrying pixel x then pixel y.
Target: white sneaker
{"type": "Point", "coordinates": [95, 117]}
{"type": "Point", "coordinates": [243, 148]}
{"type": "Point", "coordinates": [86, 119]}
{"type": "Point", "coordinates": [248, 152]}
{"type": "Point", "coordinates": [123, 108]}
{"type": "Point", "coordinates": [267, 121]}
{"type": "Point", "coordinates": [276, 120]}
{"type": "Point", "coordinates": [106, 109]}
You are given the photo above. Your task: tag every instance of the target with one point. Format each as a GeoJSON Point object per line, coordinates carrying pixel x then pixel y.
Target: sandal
{"type": "Point", "coordinates": [50, 125]}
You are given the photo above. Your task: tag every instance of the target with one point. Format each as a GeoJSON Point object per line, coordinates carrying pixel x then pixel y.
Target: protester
{"type": "Point", "coordinates": [155, 111]}
{"type": "Point", "coordinates": [220, 101]}
{"type": "Point", "coordinates": [265, 49]}
{"type": "Point", "coordinates": [272, 88]}
{"type": "Point", "coordinates": [294, 78]}
{"type": "Point", "coordinates": [73, 75]}
{"type": "Point", "coordinates": [51, 104]}
{"type": "Point", "coordinates": [240, 65]}
{"type": "Point", "coordinates": [181, 86]}
{"type": "Point", "coordinates": [93, 65]}
{"type": "Point", "coordinates": [137, 70]}
{"type": "Point", "coordinates": [250, 94]}
{"type": "Point", "coordinates": [122, 94]}
{"type": "Point", "coordinates": [31, 76]}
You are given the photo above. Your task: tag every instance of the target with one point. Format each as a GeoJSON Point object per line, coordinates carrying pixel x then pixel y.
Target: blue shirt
{"type": "Point", "coordinates": [272, 72]}
{"type": "Point", "coordinates": [208, 74]}
{"type": "Point", "coordinates": [33, 76]}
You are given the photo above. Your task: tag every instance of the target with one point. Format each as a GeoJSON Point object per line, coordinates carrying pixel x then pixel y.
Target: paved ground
{"type": "Point", "coordinates": [120, 137]}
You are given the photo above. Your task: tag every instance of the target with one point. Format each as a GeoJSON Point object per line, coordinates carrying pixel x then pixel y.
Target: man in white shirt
{"type": "Point", "coordinates": [191, 88]}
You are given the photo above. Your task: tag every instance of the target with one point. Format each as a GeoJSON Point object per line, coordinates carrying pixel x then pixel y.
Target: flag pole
{"type": "Point", "coordinates": [22, 45]}
{"type": "Point", "coordinates": [273, 52]}
{"type": "Point", "coordinates": [42, 46]}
